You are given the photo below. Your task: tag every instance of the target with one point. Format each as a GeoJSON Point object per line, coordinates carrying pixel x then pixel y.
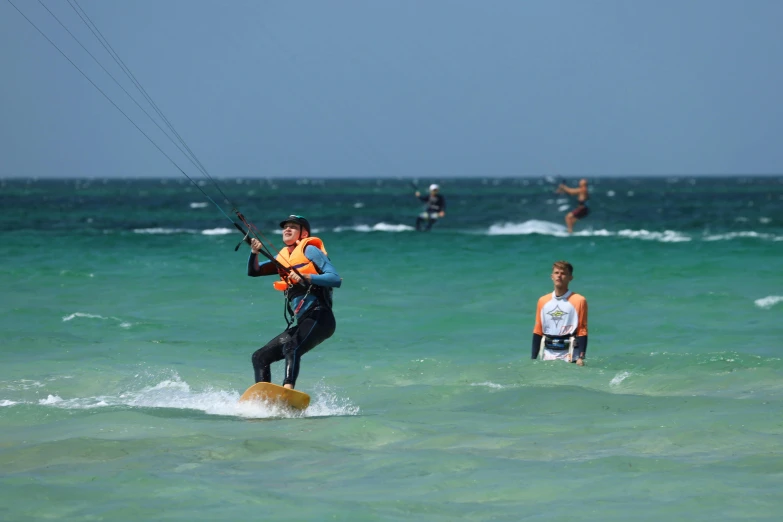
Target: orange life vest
{"type": "Point", "coordinates": [297, 260]}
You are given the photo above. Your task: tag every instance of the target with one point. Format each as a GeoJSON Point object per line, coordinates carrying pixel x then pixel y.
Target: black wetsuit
{"type": "Point", "coordinates": [315, 326]}
{"type": "Point", "coordinates": [436, 203]}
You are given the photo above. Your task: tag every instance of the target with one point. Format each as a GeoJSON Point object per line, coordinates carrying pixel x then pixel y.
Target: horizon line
{"type": "Point", "coordinates": [403, 178]}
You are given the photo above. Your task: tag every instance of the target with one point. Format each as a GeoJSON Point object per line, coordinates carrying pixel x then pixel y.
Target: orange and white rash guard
{"type": "Point", "coordinates": [564, 316]}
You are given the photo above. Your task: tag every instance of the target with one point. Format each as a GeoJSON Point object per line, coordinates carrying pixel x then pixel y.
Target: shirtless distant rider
{"type": "Point", "coordinates": [581, 210]}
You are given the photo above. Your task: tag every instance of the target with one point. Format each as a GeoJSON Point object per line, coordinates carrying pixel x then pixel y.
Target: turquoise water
{"type": "Point", "coordinates": [128, 323]}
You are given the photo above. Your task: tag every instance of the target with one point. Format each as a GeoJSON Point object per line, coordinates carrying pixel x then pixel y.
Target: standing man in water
{"type": "Point", "coordinates": [560, 331]}
{"type": "Point", "coordinates": [581, 210]}
{"type": "Point", "coordinates": [308, 300]}
{"type": "Point", "coordinates": [436, 208]}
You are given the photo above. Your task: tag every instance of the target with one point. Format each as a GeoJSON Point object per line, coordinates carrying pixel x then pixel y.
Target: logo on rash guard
{"type": "Point", "coordinates": [557, 315]}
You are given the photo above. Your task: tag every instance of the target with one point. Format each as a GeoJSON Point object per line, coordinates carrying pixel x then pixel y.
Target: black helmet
{"type": "Point", "coordinates": [299, 220]}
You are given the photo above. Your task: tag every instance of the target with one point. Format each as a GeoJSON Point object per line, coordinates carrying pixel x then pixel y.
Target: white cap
{"type": "Point", "coordinates": [434, 186]}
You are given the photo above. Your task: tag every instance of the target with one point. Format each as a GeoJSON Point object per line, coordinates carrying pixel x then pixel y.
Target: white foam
{"type": "Point", "coordinates": [547, 228]}
{"type": "Point", "coordinates": [532, 226]}
{"type": "Point", "coordinates": [595, 233]}
{"type": "Point", "coordinates": [667, 236]}
{"type": "Point", "coordinates": [199, 204]}
{"type": "Point", "coordinates": [177, 394]}
{"type": "Point", "coordinates": [7, 403]}
{"type": "Point", "coordinates": [222, 231]}
{"type": "Point", "coordinates": [164, 231]}
{"type": "Point", "coordinates": [50, 399]}
{"type": "Point", "coordinates": [120, 322]}
{"type": "Point", "coordinates": [744, 234]}
{"type": "Point", "coordinates": [23, 384]}
{"type": "Point", "coordinates": [488, 385]}
{"type": "Point", "coordinates": [769, 301]}
{"type": "Point", "coordinates": [327, 403]}
{"type": "Point", "coordinates": [378, 227]}
{"type": "Point", "coordinates": [620, 377]}
{"type": "Point", "coordinates": [80, 314]}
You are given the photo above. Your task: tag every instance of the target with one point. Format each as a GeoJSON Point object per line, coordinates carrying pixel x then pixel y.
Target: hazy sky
{"type": "Point", "coordinates": [425, 88]}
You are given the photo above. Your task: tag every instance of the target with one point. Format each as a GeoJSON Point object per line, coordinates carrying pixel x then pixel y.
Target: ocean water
{"type": "Point", "coordinates": [128, 322]}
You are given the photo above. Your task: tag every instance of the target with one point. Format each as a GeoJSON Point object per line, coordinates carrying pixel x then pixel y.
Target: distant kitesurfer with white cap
{"type": "Point", "coordinates": [436, 208]}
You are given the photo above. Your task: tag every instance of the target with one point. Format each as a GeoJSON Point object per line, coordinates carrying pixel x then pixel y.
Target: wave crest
{"type": "Point", "coordinates": [769, 301]}
{"type": "Point", "coordinates": [378, 227]}
{"type": "Point", "coordinates": [173, 392]}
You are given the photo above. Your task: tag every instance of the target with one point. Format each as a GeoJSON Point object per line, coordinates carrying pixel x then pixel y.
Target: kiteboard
{"type": "Point", "coordinates": [266, 391]}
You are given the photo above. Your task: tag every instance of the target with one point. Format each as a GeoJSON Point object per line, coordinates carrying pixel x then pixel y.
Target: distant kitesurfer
{"type": "Point", "coordinates": [560, 331]}
{"type": "Point", "coordinates": [308, 303]}
{"type": "Point", "coordinates": [581, 210]}
{"type": "Point", "coordinates": [436, 208]}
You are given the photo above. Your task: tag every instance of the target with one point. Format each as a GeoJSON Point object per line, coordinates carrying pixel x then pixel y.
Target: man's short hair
{"type": "Point", "coordinates": [564, 265]}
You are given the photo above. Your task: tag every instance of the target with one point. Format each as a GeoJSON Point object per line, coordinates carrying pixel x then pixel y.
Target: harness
{"type": "Point", "coordinates": [557, 343]}
{"type": "Point", "coordinates": [322, 294]}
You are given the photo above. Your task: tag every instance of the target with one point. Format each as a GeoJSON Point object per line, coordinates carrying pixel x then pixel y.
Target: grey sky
{"type": "Point", "coordinates": [424, 88]}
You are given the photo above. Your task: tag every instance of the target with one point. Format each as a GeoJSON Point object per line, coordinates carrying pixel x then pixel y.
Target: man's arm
{"type": "Point", "coordinates": [538, 332]}
{"type": "Point", "coordinates": [536, 346]}
{"type": "Point", "coordinates": [580, 348]}
{"type": "Point", "coordinates": [568, 190]}
{"type": "Point", "coordinates": [328, 275]}
{"type": "Point", "coordinates": [581, 333]}
{"type": "Point", "coordinates": [254, 269]}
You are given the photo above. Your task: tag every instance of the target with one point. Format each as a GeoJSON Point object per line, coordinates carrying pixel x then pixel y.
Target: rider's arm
{"type": "Point", "coordinates": [328, 276]}
{"type": "Point", "coordinates": [581, 347]}
{"type": "Point", "coordinates": [538, 331]}
{"type": "Point", "coordinates": [581, 331]}
{"type": "Point", "coordinates": [254, 269]}
{"type": "Point", "coordinates": [569, 190]}
{"type": "Point", "coordinates": [536, 346]}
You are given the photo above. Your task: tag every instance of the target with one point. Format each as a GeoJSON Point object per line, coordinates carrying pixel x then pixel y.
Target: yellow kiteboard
{"type": "Point", "coordinates": [266, 391]}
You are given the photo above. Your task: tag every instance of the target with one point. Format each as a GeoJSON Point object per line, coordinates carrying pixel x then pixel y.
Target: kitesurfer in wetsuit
{"type": "Point", "coordinates": [308, 300]}
{"type": "Point", "coordinates": [436, 208]}
{"type": "Point", "coordinates": [581, 210]}
{"type": "Point", "coordinates": [560, 331]}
